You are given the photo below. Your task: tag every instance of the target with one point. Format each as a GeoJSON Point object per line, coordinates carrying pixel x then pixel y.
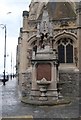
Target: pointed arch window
{"type": "Point", "coordinates": [61, 53]}
{"type": "Point", "coordinates": [69, 53]}
{"type": "Point", "coordinates": [65, 50]}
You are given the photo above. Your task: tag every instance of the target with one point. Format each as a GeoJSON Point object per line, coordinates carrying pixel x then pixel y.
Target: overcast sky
{"type": "Point", "coordinates": [13, 23]}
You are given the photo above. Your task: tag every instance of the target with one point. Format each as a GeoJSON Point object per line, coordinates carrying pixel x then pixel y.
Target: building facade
{"type": "Point", "coordinates": [60, 21]}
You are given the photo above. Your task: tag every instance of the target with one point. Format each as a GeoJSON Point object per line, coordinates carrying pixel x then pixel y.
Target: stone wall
{"type": "Point", "coordinates": [26, 84]}
{"type": "Point", "coordinates": [70, 83]}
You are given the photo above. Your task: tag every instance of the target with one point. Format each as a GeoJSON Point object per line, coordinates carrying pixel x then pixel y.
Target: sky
{"type": "Point", "coordinates": [11, 16]}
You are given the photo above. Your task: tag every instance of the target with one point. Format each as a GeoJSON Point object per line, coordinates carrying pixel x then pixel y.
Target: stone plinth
{"type": "Point", "coordinates": [44, 68]}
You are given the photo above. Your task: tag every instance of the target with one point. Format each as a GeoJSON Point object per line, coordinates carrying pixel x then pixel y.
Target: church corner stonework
{"type": "Point", "coordinates": [49, 52]}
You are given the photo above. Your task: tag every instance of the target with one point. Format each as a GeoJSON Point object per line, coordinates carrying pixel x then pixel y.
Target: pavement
{"type": "Point", "coordinates": [11, 107]}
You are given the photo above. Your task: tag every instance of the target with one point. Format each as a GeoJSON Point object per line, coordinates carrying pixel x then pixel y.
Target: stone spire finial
{"type": "Point", "coordinates": [44, 29]}
{"type": "Point", "coordinates": [45, 21]}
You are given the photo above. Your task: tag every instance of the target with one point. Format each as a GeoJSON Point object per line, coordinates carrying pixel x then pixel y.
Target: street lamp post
{"type": "Point", "coordinates": [4, 55]}
{"type": "Point", "coordinates": [4, 79]}
{"type": "Point", "coordinates": [4, 27]}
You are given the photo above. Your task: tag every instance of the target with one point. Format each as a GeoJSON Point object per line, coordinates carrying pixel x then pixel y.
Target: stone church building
{"type": "Point", "coordinates": [57, 25]}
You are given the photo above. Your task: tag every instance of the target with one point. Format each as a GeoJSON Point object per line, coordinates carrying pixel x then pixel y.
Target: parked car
{"type": "Point", "coordinates": [2, 78]}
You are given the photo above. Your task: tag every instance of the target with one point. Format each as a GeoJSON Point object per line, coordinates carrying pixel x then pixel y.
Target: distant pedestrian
{"type": "Point", "coordinates": [7, 77]}
{"type": "Point", "coordinates": [11, 76]}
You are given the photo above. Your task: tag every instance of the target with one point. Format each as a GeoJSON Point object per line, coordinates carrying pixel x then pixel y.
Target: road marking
{"type": "Point", "coordinates": [30, 117]}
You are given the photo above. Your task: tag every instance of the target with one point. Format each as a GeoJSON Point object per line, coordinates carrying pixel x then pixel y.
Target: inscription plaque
{"type": "Point", "coordinates": [44, 71]}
